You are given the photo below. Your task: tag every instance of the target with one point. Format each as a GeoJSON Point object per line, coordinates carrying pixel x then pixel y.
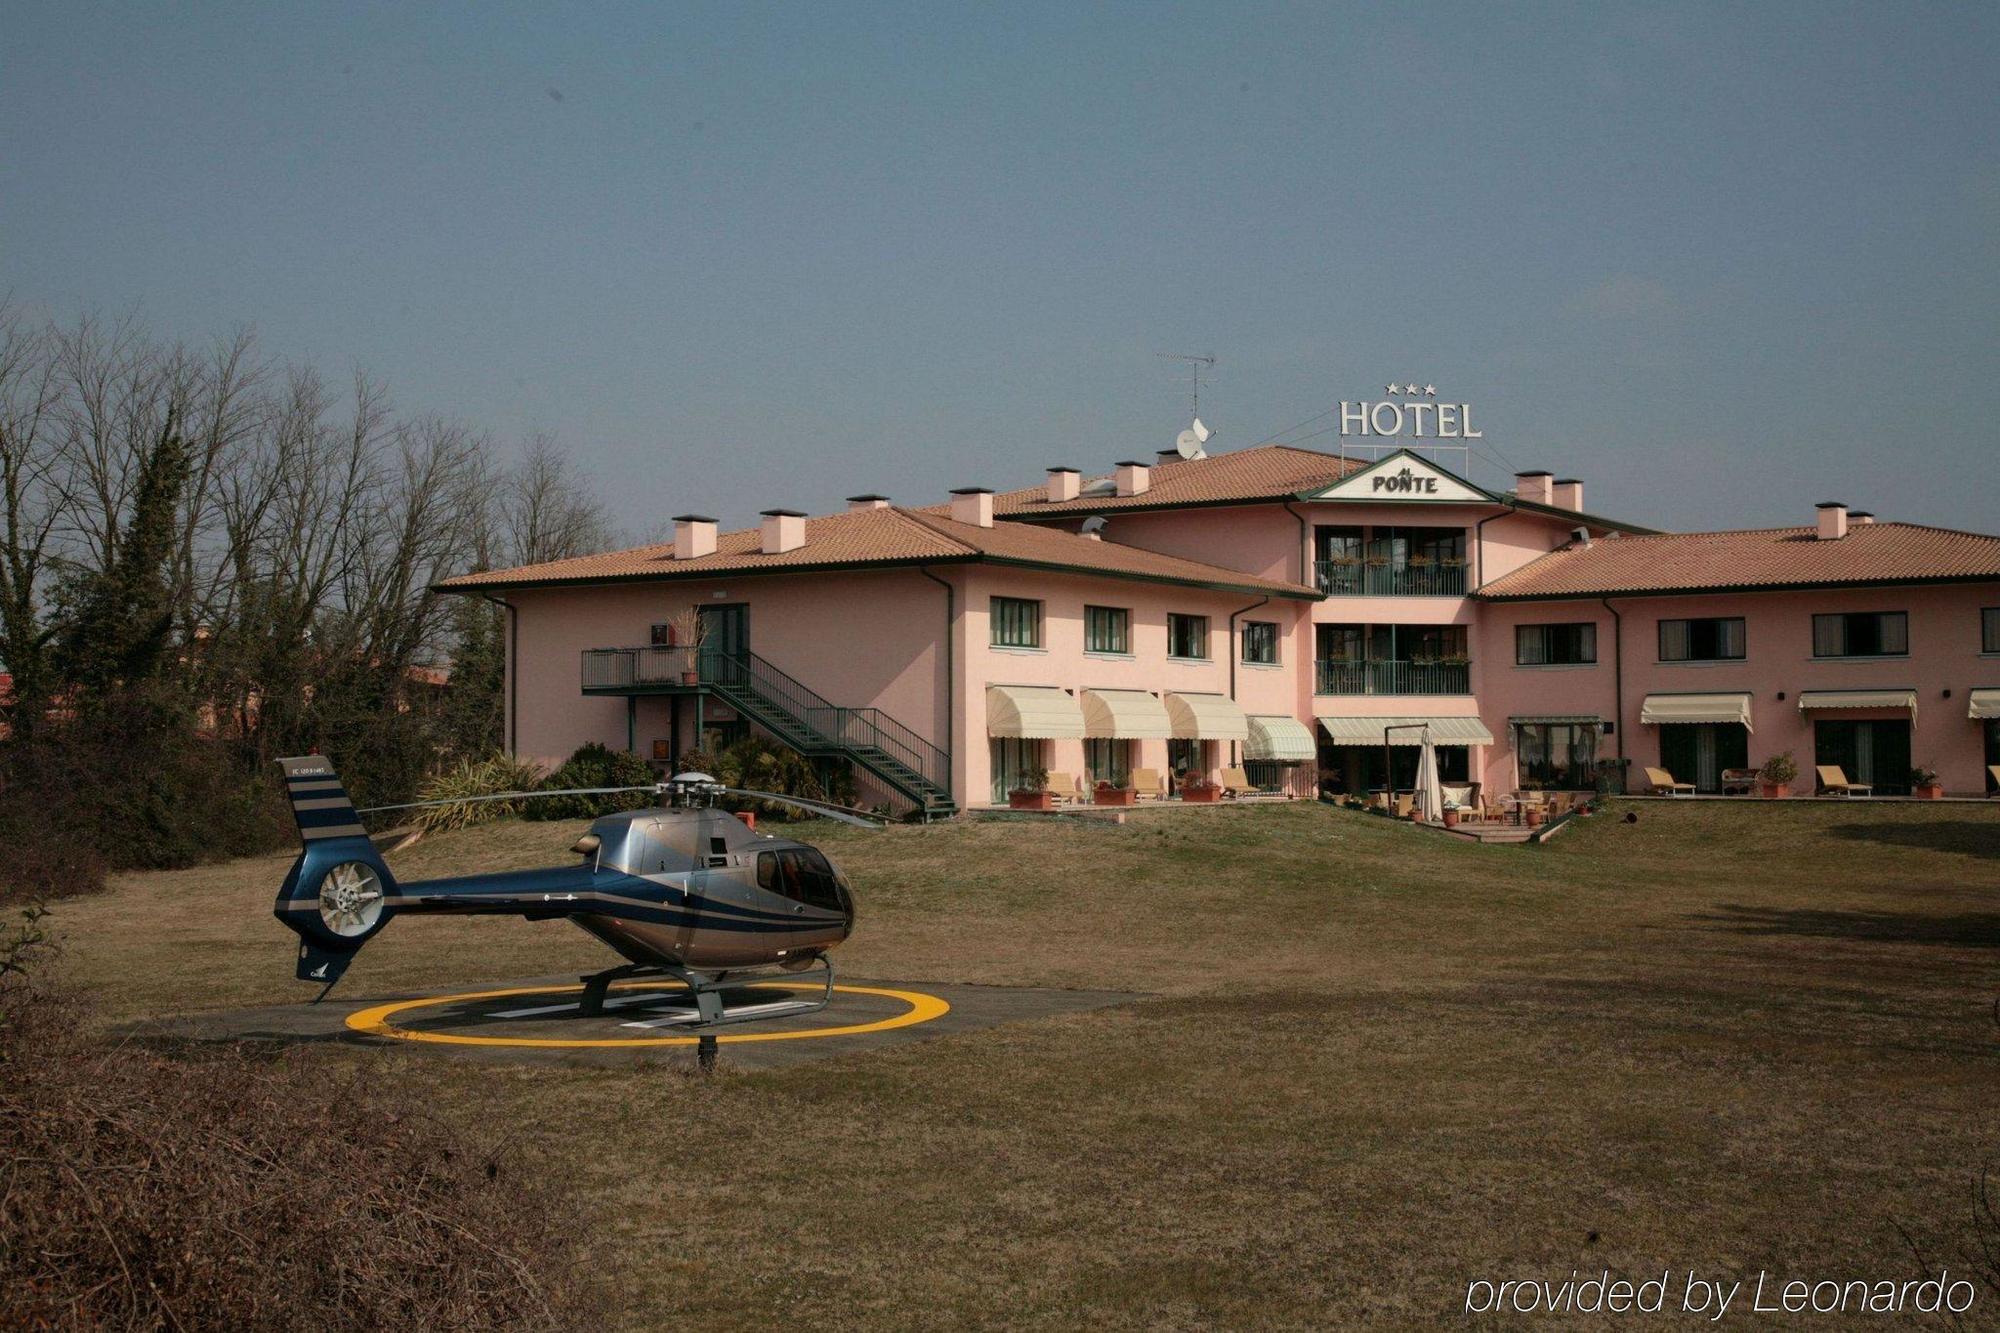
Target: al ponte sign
{"type": "Point", "coordinates": [1403, 477]}
{"type": "Point", "coordinates": [1417, 420]}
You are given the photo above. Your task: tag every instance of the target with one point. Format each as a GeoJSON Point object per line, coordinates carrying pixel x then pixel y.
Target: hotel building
{"type": "Point", "coordinates": [1276, 608]}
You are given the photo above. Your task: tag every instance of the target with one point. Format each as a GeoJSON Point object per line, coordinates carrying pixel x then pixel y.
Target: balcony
{"type": "Point", "coordinates": [1360, 578]}
{"type": "Point", "coordinates": [1393, 677]}
{"type": "Point", "coordinates": [623, 669]}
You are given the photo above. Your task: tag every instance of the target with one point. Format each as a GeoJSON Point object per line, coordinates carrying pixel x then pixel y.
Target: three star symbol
{"type": "Point", "coordinates": [1413, 390]}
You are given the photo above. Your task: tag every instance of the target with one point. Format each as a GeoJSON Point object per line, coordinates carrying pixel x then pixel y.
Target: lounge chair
{"type": "Point", "coordinates": [1404, 805]}
{"type": "Point", "coordinates": [1833, 782]}
{"type": "Point", "coordinates": [1663, 781]}
{"type": "Point", "coordinates": [1063, 787]}
{"type": "Point", "coordinates": [1148, 783]}
{"type": "Point", "coordinates": [1236, 782]}
{"type": "Point", "coordinates": [1993, 771]}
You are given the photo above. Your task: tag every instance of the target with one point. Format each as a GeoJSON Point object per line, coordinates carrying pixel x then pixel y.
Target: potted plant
{"type": "Point", "coordinates": [1033, 793]}
{"type": "Point", "coordinates": [1451, 814]}
{"type": "Point", "coordinates": [1199, 789]}
{"type": "Point", "coordinates": [689, 628]}
{"type": "Point", "coordinates": [1107, 794]}
{"type": "Point", "coordinates": [1924, 784]}
{"type": "Point", "coordinates": [1774, 779]}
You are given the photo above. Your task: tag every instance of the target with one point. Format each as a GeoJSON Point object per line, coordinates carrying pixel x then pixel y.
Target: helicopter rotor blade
{"type": "Point", "coordinates": [819, 808]}
{"type": "Point", "coordinates": [506, 796]}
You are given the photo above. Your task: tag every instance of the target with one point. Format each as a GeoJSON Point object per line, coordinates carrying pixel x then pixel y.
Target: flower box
{"type": "Point", "coordinates": [1774, 791]}
{"type": "Point", "coordinates": [1106, 794]}
{"type": "Point", "coordinates": [1201, 793]}
{"type": "Point", "coordinates": [1933, 791]}
{"type": "Point", "coordinates": [1031, 800]}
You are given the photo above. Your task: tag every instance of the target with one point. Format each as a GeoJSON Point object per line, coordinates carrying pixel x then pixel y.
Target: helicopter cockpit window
{"type": "Point", "coordinates": [815, 879]}
{"type": "Point", "coordinates": [767, 872]}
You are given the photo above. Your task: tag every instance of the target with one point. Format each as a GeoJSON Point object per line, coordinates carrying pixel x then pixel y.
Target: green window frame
{"type": "Point", "coordinates": [1260, 642]}
{"type": "Point", "coordinates": [1017, 622]}
{"type": "Point", "coordinates": [1107, 760]}
{"type": "Point", "coordinates": [1703, 639]}
{"type": "Point", "coordinates": [1107, 629]}
{"type": "Point", "coordinates": [1861, 634]}
{"type": "Point", "coordinates": [1989, 629]}
{"type": "Point", "coordinates": [1187, 637]}
{"type": "Point", "coordinates": [1568, 644]}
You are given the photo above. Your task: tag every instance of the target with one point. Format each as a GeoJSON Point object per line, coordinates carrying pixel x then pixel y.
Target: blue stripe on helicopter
{"type": "Point", "coordinates": [309, 819]}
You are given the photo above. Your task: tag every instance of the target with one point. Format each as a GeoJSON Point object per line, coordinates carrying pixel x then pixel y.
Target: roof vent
{"type": "Point", "coordinates": [1832, 520]}
{"type": "Point", "coordinates": [974, 505]}
{"type": "Point", "coordinates": [1134, 478]}
{"type": "Point", "coordinates": [1535, 487]}
{"type": "Point", "coordinates": [1064, 482]}
{"type": "Point", "coordinates": [1567, 493]}
{"type": "Point", "coordinates": [855, 502]}
{"type": "Point", "coordinates": [694, 536]}
{"type": "Point", "coordinates": [1580, 537]}
{"type": "Point", "coordinates": [784, 530]}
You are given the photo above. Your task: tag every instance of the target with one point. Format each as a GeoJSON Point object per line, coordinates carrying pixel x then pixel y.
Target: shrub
{"type": "Point", "coordinates": [486, 777]}
{"type": "Point", "coordinates": [756, 764]}
{"type": "Point", "coordinates": [1779, 769]}
{"type": "Point", "coordinates": [594, 765]}
{"type": "Point", "coordinates": [206, 1189]}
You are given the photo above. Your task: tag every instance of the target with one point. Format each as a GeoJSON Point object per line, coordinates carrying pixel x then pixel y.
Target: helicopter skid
{"type": "Point", "coordinates": [707, 991]}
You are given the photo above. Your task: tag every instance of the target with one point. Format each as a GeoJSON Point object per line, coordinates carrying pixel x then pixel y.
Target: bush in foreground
{"type": "Point", "coordinates": [486, 777]}
{"type": "Point", "coordinates": [591, 766]}
{"type": "Point", "coordinates": [204, 1189]}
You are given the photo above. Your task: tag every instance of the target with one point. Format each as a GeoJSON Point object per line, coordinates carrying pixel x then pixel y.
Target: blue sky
{"type": "Point", "coordinates": [1720, 261]}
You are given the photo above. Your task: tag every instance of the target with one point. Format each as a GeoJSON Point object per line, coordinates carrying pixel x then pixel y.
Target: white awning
{"type": "Point", "coordinates": [1371, 730]}
{"type": "Point", "coordinates": [1985, 703]}
{"type": "Point", "coordinates": [1207, 717]}
{"type": "Point", "coordinates": [1664, 709]}
{"type": "Point", "coordinates": [1125, 715]}
{"type": "Point", "coordinates": [1858, 699]}
{"type": "Point", "coordinates": [1032, 712]}
{"type": "Point", "coordinates": [1285, 740]}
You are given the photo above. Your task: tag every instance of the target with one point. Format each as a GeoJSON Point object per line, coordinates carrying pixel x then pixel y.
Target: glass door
{"type": "Point", "coordinates": [725, 640]}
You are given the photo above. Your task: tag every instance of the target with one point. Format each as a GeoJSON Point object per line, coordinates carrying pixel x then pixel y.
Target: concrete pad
{"type": "Point", "coordinates": [536, 1020]}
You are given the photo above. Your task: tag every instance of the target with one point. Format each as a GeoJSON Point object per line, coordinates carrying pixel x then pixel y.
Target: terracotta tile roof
{"type": "Point", "coordinates": [1763, 558]}
{"type": "Point", "coordinates": [1269, 472]}
{"type": "Point", "coordinates": [872, 537]}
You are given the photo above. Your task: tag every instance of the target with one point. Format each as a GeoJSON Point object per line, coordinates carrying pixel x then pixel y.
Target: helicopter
{"type": "Point", "coordinates": [680, 889]}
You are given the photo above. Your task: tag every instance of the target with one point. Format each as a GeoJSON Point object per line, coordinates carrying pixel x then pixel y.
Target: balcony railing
{"type": "Point", "coordinates": [1393, 678]}
{"type": "Point", "coordinates": [1358, 578]}
{"type": "Point", "coordinates": [619, 668]}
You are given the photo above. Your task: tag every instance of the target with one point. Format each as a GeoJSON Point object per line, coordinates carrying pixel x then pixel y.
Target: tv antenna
{"type": "Point", "coordinates": [1195, 363]}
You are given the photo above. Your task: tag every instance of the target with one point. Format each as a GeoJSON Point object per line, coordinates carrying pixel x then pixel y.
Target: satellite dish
{"type": "Point", "coordinates": [1188, 445]}
{"type": "Point", "coordinates": [1201, 432]}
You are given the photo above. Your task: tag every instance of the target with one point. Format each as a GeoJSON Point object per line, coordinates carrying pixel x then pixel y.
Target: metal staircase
{"type": "Point", "coordinates": [798, 717]}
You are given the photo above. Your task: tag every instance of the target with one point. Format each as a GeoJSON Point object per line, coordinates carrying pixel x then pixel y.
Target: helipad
{"type": "Point", "coordinates": [539, 1020]}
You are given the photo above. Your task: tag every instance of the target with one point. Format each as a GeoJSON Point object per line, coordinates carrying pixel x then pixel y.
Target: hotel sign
{"type": "Point", "coordinates": [1403, 477]}
{"type": "Point", "coordinates": [1420, 420]}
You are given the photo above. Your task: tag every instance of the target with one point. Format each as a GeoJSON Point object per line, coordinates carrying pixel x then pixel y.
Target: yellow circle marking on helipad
{"type": "Point", "coordinates": [375, 1022]}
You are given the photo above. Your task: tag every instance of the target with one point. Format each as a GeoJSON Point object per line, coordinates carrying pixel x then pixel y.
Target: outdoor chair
{"type": "Point", "coordinates": [1833, 782]}
{"type": "Point", "coordinates": [1405, 804]}
{"type": "Point", "coordinates": [1739, 781]}
{"type": "Point", "coordinates": [1236, 782]}
{"type": "Point", "coordinates": [1663, 781]}
{"type": "Point", "coordinates": [1993, 771]}
{"type": "Point", "coordinates": [1063, 787]}
{"type": "Point", "coordinates": [1149, 784]}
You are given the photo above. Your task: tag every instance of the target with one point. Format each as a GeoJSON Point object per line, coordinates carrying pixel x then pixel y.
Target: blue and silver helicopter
{"type": "Point", "coordinates": [682, 890]}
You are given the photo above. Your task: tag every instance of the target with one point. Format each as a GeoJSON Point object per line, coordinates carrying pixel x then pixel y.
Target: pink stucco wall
{"type": "Point", "coordinates": [1944, 655]}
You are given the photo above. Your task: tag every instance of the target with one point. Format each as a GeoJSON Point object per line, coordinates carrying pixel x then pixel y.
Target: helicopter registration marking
{"type": "Point", "coordinates": [375, 1021]}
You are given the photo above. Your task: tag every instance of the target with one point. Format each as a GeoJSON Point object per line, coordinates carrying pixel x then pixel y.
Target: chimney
{"type": "Point", "coordinates": [1169, 456]}
{"type": "Point", "coordinates": [1568, 493]}
{"type": "Point", "coordinates": [1064, 484]}
{"type": "Point", "coordinates": [1134, 478]}
{"type": "Point", "coordinates": [694, 535]}
{"type": "Point", "coordinates": [1832, 520]}
{"type": "Point", "coordinates": [855, 502]}
{"type": "Point", "coordinates": [784, 530]}
{"type": "Point", "coordinates": [974, 505]}
{"type": "Point", "coordinates": [1538, 487]}
{"type": "Point", "coordinates": [1861, 518]}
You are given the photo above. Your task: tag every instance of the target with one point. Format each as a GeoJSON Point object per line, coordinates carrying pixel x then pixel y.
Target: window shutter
{"type": "Point", "coordinates": [1673, 640]}
{"type": "Point", "coordinates": [1896, 632]}
{"type": "Point", "coordinates": [1829, 636]}
{"type": "Point", "coordinates": [1729, 638]}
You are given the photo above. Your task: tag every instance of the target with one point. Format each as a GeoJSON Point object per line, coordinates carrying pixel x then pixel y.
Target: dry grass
{"type": "Point", "coordinates": [1381, 1063]}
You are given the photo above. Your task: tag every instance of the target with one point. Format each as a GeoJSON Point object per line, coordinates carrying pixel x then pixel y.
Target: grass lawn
{"type": "Point", "coordinates": [1379, 1063]}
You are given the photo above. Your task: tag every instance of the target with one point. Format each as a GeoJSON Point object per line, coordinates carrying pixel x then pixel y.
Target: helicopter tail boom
{"type": "Point", "coordinates": [338, 894]}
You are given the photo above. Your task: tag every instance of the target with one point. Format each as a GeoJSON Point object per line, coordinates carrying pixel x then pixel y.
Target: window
{"type": "Point", "coordinates": [1989, 630]}
{"type": "Point", "coordinates": [1014, 759]}
{"type": "Point", "coordinates": [1106, 760]}
{"type": "Point", "coordinates": [1862, 634]}
{"type": "Point", "coordinates": [802, 875]}
{"type": "Point", "coordinates": [1107, 629]}
{"type": "Point", "coordinates": [1017, 623]}
{"type": "Point", "coordinates": [1557, 755]}
{"type": "Point", "coordinates": [1555, 645]}
{"type": "Point", "coordinates": [1260, 641]}
{"type": "Point", "coordinates": [1187, 636]}
{"type": "Point", "coordinates": [1718, 639]}
{"type": "Point", "coordinates": [662, 636]}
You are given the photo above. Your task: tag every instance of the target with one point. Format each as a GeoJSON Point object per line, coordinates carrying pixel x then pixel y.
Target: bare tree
{"type": "Point", "coordinates": [32, 506]}
{"type": "Point", "coordinates": [546, 513]}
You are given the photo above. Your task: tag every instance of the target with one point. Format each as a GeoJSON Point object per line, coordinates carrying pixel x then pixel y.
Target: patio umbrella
{"type": "Point", "coordinates": [1429, 794]}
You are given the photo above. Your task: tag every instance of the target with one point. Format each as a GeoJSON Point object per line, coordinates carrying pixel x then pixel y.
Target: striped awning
{"type": "Point", "coordinates": [1985, 703]}
{"type": "Point", "coordinates": [1207, 717]}
{"type": "Point", "coordinates": [1372, 730]}
{"type": "Point", "coordinates": [1809, 699]}
{"type": "Point", "coordinates": [1667, 709]}
{"type": "Point", "coordinates": [1284, 740]}
{"type": "Point", "coordinates": [1032, 712]}
{"type": "Point", "coordinates": [1125, 715]}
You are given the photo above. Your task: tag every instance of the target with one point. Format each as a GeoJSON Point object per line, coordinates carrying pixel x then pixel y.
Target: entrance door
{"type": "Point", "coordinates": [725, 640]}
{"type": "Point", "coordinates": [1698, 752]}
{"type": "Point", "coordinates": [1874, 752]}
